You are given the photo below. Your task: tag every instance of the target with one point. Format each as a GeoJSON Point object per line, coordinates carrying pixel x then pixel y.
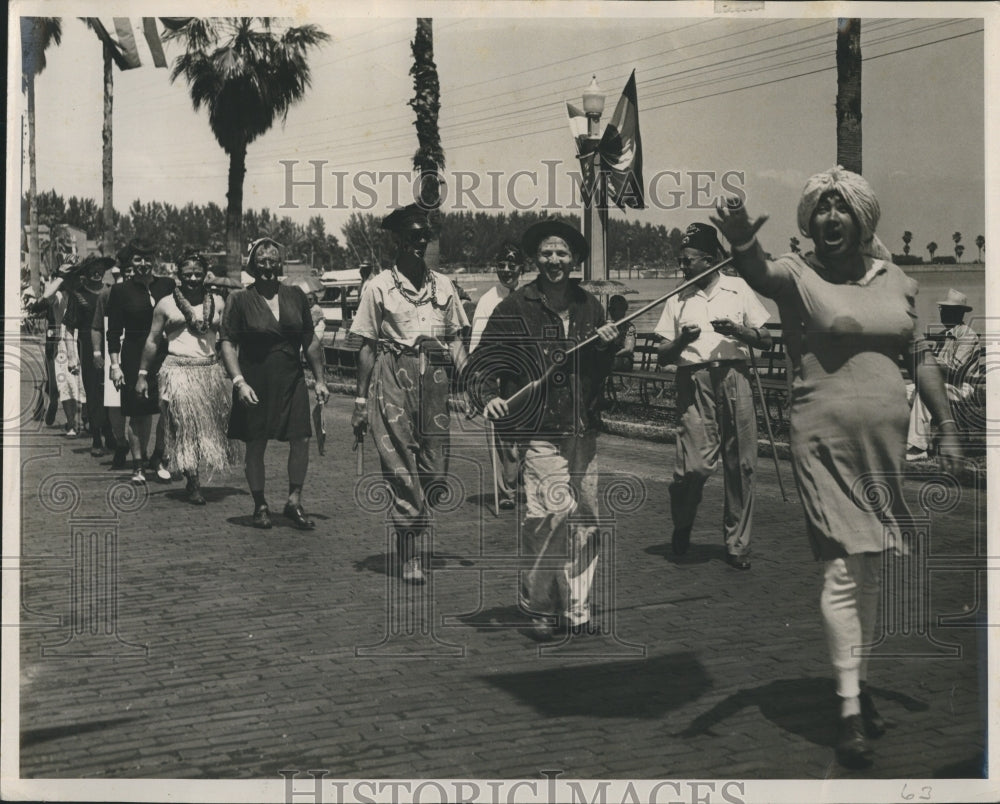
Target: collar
{"type": "Point", "coordinates": [502, 290]}
{"type": "Point", "coordinates": [875, 267]}
{"type": "Point", "coordinates": [717, 285]}
{"type": "Point", "coordinates": [403, 280]}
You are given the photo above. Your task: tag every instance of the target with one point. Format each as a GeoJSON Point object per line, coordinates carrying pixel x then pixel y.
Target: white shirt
{"type": "Point", "coordinates": [484, 309]}
{"type": "Point", "coordinates": [727, 297]}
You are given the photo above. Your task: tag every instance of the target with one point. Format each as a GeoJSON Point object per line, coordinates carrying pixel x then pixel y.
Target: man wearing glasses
{"type": "Point", "coordinates": [707, 330]}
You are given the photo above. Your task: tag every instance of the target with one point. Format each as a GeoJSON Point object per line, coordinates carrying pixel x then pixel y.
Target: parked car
{"type": "Point", "coordinates": [339, 298]}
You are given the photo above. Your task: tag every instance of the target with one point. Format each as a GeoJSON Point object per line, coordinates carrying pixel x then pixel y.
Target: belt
{"type": "Point", "coordinates": [711, 364]}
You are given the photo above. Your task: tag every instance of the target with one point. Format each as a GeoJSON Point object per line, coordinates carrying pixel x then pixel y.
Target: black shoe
{"type": "Point", "coordinates": [738, 562]}
{"type": "Point", "coordinates": [507, 504]}
{"type": "Point", "coordinates": [852, 748]}
{"type": "Point", "coordinates": [680, 541]}
{"type": "Point", "coordinates": [262, 518]}
{"type": "Point", "coordinates": [544, 631]}
{"type": "Point", "coordinates": [50, 412]}
{"type": "Point", "coordinates": [298, 517]}
{"type": "Point", "coordinates": [120, 460]}
{"type": "Point", "coordinates": [875, 724]}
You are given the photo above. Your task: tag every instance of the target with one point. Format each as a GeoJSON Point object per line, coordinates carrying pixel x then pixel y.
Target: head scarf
{"type": "Point", "coordinates": [255, 246]}
{"type": "Point", "coordinates": [859, 196]}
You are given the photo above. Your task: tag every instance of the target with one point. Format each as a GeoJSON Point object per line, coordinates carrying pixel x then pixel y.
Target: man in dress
{"type": "Point", "coordinates": [529, 330]}
{"type": "Point", "coordinates": [411, 320]}
{"type": "Point", "coordinates": [509, 266]}
{"type": "Point", "coordinates": [706, 331]}
{"type": "Point", "coordinates": [958, 355]}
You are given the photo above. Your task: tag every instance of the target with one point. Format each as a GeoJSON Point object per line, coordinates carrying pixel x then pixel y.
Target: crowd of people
{"type": "Point", "coordinates": [225, 376]}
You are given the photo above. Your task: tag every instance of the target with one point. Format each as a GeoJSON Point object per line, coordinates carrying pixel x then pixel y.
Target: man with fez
{"type": "Point", "coordinates": [411, 320]}
{"type": "Point", "coordinates": [529, 331]}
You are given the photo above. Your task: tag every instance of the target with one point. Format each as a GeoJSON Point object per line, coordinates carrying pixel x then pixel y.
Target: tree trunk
{"type": "Point", "coordinates": [34, 248]}
{"type": "Point", "coordinates": [107, 174]}
{"type": "Point", "coordinates": [849, 93]}
{"type": "Point", "coordinates": [234, 211]}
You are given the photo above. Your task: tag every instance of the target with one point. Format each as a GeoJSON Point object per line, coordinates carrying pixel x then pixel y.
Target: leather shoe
{"type": "Point", "coordinates": [298, 517]}
{"type": "Point", "coordinates": [119, 461]}
{"type": "Point", "coordinates": [680, 541]}
{"type": "Point", "coordinates": [875, 724]}
{"type": "Point", "coordinates": [546, 631]}
{"type": "Point", "coordinates": [507, 504]}
{"type": "Point", "coordinates": [852, 748]}
{"type": "Point", "coordinates": [738, 562]}
{"type": "Point", "coordinates": [262, 518]}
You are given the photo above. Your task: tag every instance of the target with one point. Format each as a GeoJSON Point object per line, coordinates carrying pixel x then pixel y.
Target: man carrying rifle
{"type": "Point", "coordinates": [528, 333]}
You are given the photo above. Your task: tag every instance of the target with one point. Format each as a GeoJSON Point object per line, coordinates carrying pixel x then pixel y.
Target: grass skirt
{"type": "Point", "coordinates": [196, 398]}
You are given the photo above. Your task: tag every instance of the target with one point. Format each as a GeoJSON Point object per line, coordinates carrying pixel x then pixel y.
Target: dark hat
{"type": "Point", "coordinates": [137, 246]}
{"type": "Point", "coordinates": [94, 263]}
{"type": "Point", "coordinates": [412, 216]}
{"type": "Point", "coordinates": [509, 252]}
{"type": "Point", "coordinates": [537, 232]}
{"type": "Point", "coordinates": [702, 237]}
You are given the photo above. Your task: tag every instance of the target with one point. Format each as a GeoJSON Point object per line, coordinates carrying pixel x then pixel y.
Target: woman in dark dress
{"type": "Point", "coordinates": [79, 316]}
{"type": "Point", "coordinates": [130, 313]}
{"type": "Point", "coordinates": [264, 328]}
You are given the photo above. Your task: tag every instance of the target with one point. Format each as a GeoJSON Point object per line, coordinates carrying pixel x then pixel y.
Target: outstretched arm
{"type": "Point", "coordinates": [732, 220]}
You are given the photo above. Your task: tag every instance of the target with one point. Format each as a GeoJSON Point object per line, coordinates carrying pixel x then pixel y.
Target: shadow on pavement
{"type": "Point", "coordinates": [696, 554]}
{"type": "Point", "coordinates": [30, 737]}
{"type": "Point", "coordinates": [807, 707]}
{"type": "Point", "coordinates": [647, 688]}
{"type": "Point", "coordinates": [210, 493]}
{"type": "Point", "coordinates": [384, 563]}
{"type": "Point", "coordinates": [973, 768]}
{"type": "Point", "coordinates": [496, 617]}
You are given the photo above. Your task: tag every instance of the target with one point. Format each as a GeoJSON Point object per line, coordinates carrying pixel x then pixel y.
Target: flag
{"type": "Point", "coordinates": [621, 151]}
{"type": "Point", "coordinates": [585, 151]}
{"type": "Point", "coordinates": [124, 41]}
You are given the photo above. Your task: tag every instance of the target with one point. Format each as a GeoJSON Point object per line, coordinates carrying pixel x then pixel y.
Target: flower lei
{"type": "Point", "coordinates": [207, 311]}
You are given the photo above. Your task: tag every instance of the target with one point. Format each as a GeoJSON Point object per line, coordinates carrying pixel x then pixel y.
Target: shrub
{"type": "Point", "coordinates": [945, 260]}
{"type": "Point", "coordinates": [907, 259]}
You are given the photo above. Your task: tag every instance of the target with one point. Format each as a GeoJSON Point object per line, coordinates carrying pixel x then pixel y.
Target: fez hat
{"type": "Point", "coordinates": [548, 227]}
{"type": "Point", "coordinates": [702, 237]}
{"type": "Point", "coordinates": [955, 299]}
{"type": "Point", "coordinates": [509, 252]}
{"type": "Point", "coordinates": [412, 216]}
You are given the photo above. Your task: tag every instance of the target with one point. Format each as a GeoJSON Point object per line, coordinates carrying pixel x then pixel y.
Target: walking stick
{"type": "Point", "coordinates": [767, 422]}
{"type": "Point", "coordinates": [490, 439]}
{"type": "Point", "coordinates": [359, 447]}
{"type": "Point", "coordinates": [534, 385]}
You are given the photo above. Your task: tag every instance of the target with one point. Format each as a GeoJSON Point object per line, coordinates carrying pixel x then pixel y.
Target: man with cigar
{"type": "Point", "coordinates": [531, 329]}
{"type": "Point", "coordinates": [707, 330]}
{"type": "Point", "coordinates": [411, 320]}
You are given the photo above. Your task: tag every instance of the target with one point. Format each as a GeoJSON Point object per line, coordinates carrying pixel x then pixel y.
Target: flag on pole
{"type": "Point", "coordinates": [124, 41]}
{"type": "Point", "coordinates": [621, 151]}
{"type": "Point", "coordinates": [585, 151]}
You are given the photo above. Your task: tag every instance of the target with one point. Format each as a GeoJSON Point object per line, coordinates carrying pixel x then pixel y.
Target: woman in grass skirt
{"type": "Point", "coordinates": [195, 394]}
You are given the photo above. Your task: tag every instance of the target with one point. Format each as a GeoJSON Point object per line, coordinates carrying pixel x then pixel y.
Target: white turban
{"type": "Point", "coordinates": [858, 195]}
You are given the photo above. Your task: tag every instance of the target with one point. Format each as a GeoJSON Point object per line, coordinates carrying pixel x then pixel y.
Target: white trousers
{"type": "Point", "coordinates": [849, 605]}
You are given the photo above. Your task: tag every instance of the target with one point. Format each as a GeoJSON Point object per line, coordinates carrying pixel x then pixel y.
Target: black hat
{"type": "Point", "coordinates": [137, 246]}
{"type": "Point", "coordinates": [95, 263]}
{"type": "Point", "coordinates": [509, 252]}
{"type": "Point", "coordinates": [548, 227]}
{"type": "Point", "coordinates": [412, 216]}
{"type": "Point", "coordinates": [702, 237]}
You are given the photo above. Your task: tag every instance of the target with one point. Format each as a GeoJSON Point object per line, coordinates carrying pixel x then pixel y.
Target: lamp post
{"type": "Point", "coordinates": [595, 214]}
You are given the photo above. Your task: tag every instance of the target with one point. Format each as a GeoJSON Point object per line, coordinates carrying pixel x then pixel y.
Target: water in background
{"type": "Point", "coordinates": [934, 282]}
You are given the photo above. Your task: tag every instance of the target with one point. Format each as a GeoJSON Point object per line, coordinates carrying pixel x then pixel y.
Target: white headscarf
{"type": "Point", "coordinates": [859, 196]}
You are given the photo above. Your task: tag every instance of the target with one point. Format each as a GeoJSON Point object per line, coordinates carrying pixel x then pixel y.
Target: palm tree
{"type": "Point", "coordinates": [907, 237]}
{"type": "Point", "coordinates": [931, 248]}
{"type": "Point", "coordinates": [959, 251]}
{"type": "Point", "coordinates": [849, 93]}
{"type": "Point", "coordinates": [37, 34]}
{"type": "Point", "coordinates": [428, 160]}
{"type": "Point", "coordinates": [793, 244]}
{"type": "Point", "coordinates": [980, 244]}
{"type": "Point", "coordinates": [957, 237]}
{"type": "Point", "coordinates": [247, 75]}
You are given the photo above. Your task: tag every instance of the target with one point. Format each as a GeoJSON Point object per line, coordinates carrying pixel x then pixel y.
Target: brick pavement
{"type": "Point", "coordinates": [250, 639]}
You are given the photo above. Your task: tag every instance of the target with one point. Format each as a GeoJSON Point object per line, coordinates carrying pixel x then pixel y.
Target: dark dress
{"type": "Point", "coordinates": [130, 311]}
{"type": "Point", "coordinates": [79, 316]}
{"type": "Point", "coordinates": [269, 361]}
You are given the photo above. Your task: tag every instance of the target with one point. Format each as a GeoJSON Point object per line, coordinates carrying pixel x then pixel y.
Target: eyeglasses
{"type": "Point", "coordinates": [267, 262]}
{"type": "Point", "coordinates": [687, 262]}
{"type": "Point", "coordinates": [141, 261]}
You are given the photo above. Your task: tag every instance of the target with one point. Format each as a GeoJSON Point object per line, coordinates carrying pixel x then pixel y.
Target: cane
{"type": "Point", "coordinates": [534, 385]}
{"type": "Point", "coordinates": [490, 439]}
{"type": "Point", "coordinates": [767, 422]}
{"type": "Point", "coordinates": [359, 447]}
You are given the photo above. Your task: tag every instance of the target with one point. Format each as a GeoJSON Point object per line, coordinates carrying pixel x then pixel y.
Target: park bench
{"type": "Point", "coordinates": [645, 373]}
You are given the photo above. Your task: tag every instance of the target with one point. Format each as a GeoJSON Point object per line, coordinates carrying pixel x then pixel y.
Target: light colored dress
{"type": "Point", "coordinates": [848, 413]}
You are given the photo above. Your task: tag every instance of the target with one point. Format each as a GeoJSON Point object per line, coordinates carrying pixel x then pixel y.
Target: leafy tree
{"type": "Point", "coordinates": [37, 35]}
{"type": "Point", "coordinates": [980, 244]}
{"type": "Point", "coordinates": [907, 237]}
{"type": "Point", "coordinates": [247, 75]}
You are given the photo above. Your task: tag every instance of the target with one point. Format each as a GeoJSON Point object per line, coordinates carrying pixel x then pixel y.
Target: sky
{"type": "Point", "coordinates": [504, 85]}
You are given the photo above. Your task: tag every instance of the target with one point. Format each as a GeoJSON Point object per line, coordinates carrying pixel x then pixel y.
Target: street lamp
{"type": "Point", "coordinates": [595, 211]}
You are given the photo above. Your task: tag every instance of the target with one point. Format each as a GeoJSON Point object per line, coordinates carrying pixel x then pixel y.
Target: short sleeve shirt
{"type": "Point", "coordinates": [391, 309]}
{"type": "Point", "coordinates": [729, 297]}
